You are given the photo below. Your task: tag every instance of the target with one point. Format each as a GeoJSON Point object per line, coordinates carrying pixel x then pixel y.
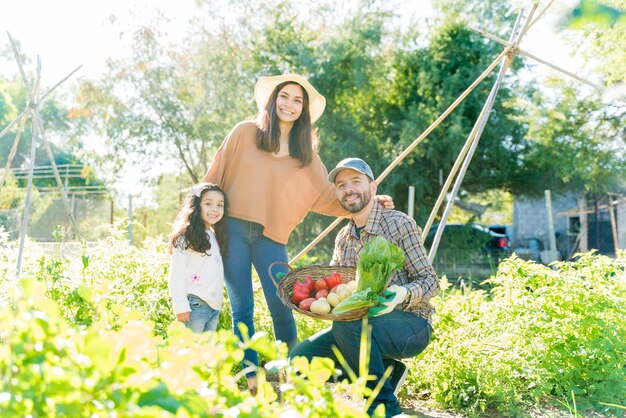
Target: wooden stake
{"type": "Point", "coordinates": [14, 121]}
{"type": "Point", "coordinates": [62, 189]}
{"type": "Point", "coordinates": [536, 58]}
{"type": "Point", "coordinates": [478, 129]}
{"type": "Point", "coordinates": [34, 102]}
{"type": "Point", "coordinates": [29, 187]}
{"type": "Point", "coordinates": [13, 151]}
{"type": "Point", "coordinates": [613, 224]}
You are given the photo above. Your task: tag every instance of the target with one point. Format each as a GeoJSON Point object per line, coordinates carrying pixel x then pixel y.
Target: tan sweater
{"type": "Point", "coordinates": [275, 192]}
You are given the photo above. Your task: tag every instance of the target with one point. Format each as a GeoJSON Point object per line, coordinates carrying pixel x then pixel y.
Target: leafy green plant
{"type": "Point", "coordinates": [97, 330]}
{"type": "Point", "coordinates": [540, 334]}
{"type": "Point", "coordinates": [51, 367]}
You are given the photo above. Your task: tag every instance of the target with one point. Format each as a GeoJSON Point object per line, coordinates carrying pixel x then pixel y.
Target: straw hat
{"type": "Point", "coordinates": [266, 85]}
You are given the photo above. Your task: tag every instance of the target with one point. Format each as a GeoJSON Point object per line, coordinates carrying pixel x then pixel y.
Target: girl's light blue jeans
{"type": "Point", "coordinates": [248, 246]}
{"type": "Point", "coordinates": [202, 318]}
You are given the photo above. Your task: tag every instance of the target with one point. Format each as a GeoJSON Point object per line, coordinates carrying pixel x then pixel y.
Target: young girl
{"type": "Point", "coordinates": [196, 279]}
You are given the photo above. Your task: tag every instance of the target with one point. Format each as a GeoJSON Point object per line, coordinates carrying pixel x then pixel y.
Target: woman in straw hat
{"type": "Point", "coordinates": [273, 177]}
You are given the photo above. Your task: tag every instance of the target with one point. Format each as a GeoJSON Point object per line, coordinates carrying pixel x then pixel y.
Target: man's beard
{"type": "Point", "coordinates": [364, 199]}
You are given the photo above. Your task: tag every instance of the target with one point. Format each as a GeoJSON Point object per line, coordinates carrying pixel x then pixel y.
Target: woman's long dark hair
{"type": "Point", "coordinates": [302, 138]}
{"type": "Point", "coordinates": [189, 231]}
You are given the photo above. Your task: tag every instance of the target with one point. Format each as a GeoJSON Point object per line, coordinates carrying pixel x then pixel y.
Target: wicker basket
{"type": "Point", "coordinates": [284, 288]}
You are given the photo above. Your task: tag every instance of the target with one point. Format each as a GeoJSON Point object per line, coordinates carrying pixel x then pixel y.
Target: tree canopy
{"type": "Point", "coordinates": [172, 104]}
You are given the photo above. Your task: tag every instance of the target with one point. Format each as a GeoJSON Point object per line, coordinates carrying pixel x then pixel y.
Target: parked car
{"type": "Point", "coordinates": [468, 250]}
{"type": "Point", "coordinates": [529, 248]}
{"type": "Point", "coordinates": [502, 229]}
{"type": "Point", "coordinates": [469, 237]}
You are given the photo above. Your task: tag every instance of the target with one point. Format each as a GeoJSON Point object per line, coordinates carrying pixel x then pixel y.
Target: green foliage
{"type": "Point", "coordinates": [101, 355]}
{"type": "Point", "coordinates": [576, 145]}
{"type": "Point", "coordinates": [540, 334]}
{"type": "Point", "coordinates": [382, 90]}
{"type": "Point", "coordinates": [51, 368]}
{"type": "Point", "coordinates": [593, 12]}
{"type": "Point", "coordinates": [603, 25]}
{"type": "Point", "coordinates": [54, 115]}
{"type": "Point", "coordinates": [96, 332]}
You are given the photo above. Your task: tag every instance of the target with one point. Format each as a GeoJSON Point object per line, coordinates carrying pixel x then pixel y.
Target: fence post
{"type": "Point", "coordinates": [552, 253]}
{"type": "Point", "coordinates": [130, 218]}
{"type": "Point", "coordinates": [583, 245]}
{"type": "Point", "coordinates": [411, 201]}
{"type": "Point", "coordinates": [613, 224]}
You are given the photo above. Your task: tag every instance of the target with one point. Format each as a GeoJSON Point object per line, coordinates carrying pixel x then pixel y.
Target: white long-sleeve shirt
{"type": "Point", "coordinates": [198, 274]}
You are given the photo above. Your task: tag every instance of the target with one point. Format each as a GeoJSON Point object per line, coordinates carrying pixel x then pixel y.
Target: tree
{"type": "Point", "coordinates": [577, 143]}
{"type": "Point", "coordinates": [604, 25]}
{"type": "Point", "coordinates": [57, 125]}
{"type": "Point", "coordinates": [382, 89]}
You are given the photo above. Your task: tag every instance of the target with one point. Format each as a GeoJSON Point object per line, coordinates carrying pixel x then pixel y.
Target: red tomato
{"type": "Point", "coordinates": [334, 289]}
{"type": "Point", "coordinates": [333, 280]}
{"type": "Point", "coordinates": [305, 305]}
{"type": "Point", "coordinates": [299, 294]}
{"type": "Point", "coordinates": [322, 293]}
{"type": "Point", "coordinates": [307, 281]}
{"type": "Point", "coordinates": [320, 284]}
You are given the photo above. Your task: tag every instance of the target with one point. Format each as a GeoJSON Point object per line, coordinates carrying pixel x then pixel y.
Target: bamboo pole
{"type": "Point", "coordinates": [583, 244]}
{"type": "Point", "coordinates": [16, 141]}
{"type": "Point", "coordinates": [479, 126]}
{"type": "Point", "coordinates": [455, 168]}
{"type": "Point", "coordinates": [444, 115]}
{"type": "Point", "coordinates": [539, 16]}
{"type": "Point", "coordinates": [536, 58]}
{"type": "Point", "coordinates": [33, 102]}
{"type": "Point", "coordinates": [419, 139]}
{"type": "Point", "coordinates": [13, 122]}
{"type": "Point", "coordinates": [29, 187]}
{"type": "Point", "coordinates": [51, 89]}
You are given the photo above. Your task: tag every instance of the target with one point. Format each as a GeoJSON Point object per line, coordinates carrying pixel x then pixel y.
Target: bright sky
{"type": "Point", "coordinates": [68, 33]}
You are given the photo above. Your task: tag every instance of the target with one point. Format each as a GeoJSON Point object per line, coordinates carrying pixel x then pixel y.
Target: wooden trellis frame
{"type": "Point", "coordinates": [465, 155]}
{"type": "Point", "coordinates": [32, 109]}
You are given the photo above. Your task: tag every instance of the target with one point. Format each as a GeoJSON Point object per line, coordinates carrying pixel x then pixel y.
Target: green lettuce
{"type": "Point", "coordinates": [362, 299]}
{"type": "Point", "coordinates": [378, 259]}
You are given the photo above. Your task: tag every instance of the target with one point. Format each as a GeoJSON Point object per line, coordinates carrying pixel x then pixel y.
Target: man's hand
{"type": "Point", "coordinates": [183, 316]}
{"type": "Point", "coordinates": [392, 297]}
{"type": "Point", "coordinates": [386, 201]}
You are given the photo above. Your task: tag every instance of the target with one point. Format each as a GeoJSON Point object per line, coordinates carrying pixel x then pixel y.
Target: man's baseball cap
{"type": "Point", "coordinates": [356, 164]}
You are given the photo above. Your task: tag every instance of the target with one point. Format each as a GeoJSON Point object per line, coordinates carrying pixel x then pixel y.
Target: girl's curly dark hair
{"type": "Point", "coordinates": [189, 231]}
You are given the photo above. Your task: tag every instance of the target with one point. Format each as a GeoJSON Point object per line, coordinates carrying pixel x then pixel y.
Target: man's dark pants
{"type": "Point", "coordinates": [394, 336]}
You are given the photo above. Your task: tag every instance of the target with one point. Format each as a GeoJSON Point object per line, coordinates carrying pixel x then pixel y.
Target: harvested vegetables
{"type": "Point", "coordinates": [378, 259]}
{"type": "Point", "coordinates": [364, 298]}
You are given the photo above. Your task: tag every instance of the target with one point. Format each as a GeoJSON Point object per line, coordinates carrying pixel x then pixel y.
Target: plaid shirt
{"type": "Point", "coordinates": [418, 276]}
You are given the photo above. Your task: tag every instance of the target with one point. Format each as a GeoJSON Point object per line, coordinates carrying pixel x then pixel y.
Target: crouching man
{"type": "Point", "coordinates": [401, 327]}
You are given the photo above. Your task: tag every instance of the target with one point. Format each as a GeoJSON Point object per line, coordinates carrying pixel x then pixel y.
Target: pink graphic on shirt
{"type": "Point", "coordinates": [195, 278]}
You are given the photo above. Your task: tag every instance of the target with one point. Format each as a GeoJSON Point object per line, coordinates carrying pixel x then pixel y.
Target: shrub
{"type": "Point", "coordinates": [540, 334]}
{"type": "Point", "coordinates": [104, 338]}
{"type": "Point", "coordinates": [50, 367]}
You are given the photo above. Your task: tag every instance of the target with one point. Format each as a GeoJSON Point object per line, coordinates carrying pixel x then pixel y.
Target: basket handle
{"type": "Point", "coordinates": [269, 270]}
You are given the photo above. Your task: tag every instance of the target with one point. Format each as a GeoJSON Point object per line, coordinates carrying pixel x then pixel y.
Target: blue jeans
{"type": "Point", "coordinates": [248, 246]}
{"type": "Point", "coordinates": [393, 336]}
{"type": "Point", "coordinates": [202, 318]}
